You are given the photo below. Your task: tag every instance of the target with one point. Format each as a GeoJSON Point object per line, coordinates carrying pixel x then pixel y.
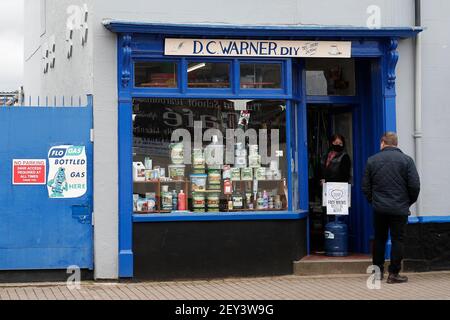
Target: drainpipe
{"type": "Point", "coordinates": [418, 98]}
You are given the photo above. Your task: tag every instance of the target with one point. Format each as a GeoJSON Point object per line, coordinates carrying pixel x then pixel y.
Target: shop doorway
{"type": "Point", "coordinates": [344, 98]}
{"type": "Point", "coordinates": [324, 120]}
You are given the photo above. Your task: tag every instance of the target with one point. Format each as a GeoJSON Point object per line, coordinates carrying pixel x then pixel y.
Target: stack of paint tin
{"type": "Point", "coordinates": [198, 161]}
{"type": "Point", "coordinates": [213, 202]}
{"type": "Point", "coordinates": [214, 179]}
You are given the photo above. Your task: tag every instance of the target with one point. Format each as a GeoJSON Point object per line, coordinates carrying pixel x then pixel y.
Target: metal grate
{"type": "Point", "coordinates": [14, 99]}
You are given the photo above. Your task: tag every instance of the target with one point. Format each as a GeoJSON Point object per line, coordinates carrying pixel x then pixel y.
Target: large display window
{"type": "Point", "coordinates": [209, 155]}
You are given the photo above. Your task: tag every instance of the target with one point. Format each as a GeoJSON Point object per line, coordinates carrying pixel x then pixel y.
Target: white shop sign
{"type": "Point", "coordinates": [337, 198]}
{"type": "Point", "coordinates": [258, 48]}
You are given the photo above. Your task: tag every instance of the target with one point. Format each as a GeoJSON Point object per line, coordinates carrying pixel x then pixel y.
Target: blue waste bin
{"type": "Point", "coordinates": [336, 239]}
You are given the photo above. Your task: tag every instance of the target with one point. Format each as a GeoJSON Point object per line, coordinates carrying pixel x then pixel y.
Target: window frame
{"type": "Point", "coordinates": [235, 90]}
{"type": "Point", "coordinates": [201, 89]}
{"type": "Point", "coordinates": [283, 84]}
{"type": "Point", "coordinates": [287, 214]}
{"type": "Point", "coordinates": [327, 97]}
{"type": "Point", "coordinates": [235, 93]}
{"type": "Point", "coordinates": [156, 60]}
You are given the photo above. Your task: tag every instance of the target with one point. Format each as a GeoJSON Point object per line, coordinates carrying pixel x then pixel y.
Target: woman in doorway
{"type": "Point", "coordinates": [336, 164]}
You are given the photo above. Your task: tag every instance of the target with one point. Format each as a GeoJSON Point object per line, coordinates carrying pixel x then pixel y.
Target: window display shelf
{"type": "Point", "coordinates": [220, 216]}
{"type": "Point", "coordinates": [161, 181]}
{"type": "Point", "coordinates": [158, 85]}
{"type": "Point", "coordinates": [152, 212]}
{"type": "Point", "coordinates": [259, 210]}
{"type": "Point", "coordinates": [210, 84]}
{"type": "Point", "coordinates": [265, 180]}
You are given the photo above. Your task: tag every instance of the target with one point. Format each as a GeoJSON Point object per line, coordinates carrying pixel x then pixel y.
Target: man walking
{"type": "Point", "coordinates": [392, 185]}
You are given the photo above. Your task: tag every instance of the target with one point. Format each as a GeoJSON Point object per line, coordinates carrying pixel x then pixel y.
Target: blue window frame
{"type": "Point", "coordinates": [162, 90]}
{"type": "Point", "coordinates": [204, 88]}
{"type": "Point", "coordinates": [288, 213]}
{"type": "Point", "coordinates": [156, 74]}
{"type": "Point", "coordinates": [282, 80]}
{"type": "Point", "coordinates": [233, 92]}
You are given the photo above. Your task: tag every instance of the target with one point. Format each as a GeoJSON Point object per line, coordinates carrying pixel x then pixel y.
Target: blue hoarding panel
{"type": "Point", "coordinates": [38, 231]}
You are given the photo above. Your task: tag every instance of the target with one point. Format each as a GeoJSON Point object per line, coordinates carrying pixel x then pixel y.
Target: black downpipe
{"type": "Point", "coordinates": [418, 13]}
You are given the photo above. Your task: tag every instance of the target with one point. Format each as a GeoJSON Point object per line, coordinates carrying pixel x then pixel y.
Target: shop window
{"type": "Point", "coordinates": [330, 77]}
{"type": "Point", "coordinates": [155, 74]}
{"type": "Point", "coordinates": [208, 75]}
{"type": "Point", "coordinates": [261, 75]}
{"type": "Point", "coordinates": [203, 156]}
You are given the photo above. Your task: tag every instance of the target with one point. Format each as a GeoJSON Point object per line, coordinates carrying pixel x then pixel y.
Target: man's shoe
{"type": "Point", "coordinates": [396, 278]}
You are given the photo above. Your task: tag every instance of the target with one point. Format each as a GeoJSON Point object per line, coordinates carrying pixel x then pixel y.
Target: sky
{"type": "Point", "coordinates": [11, 44]}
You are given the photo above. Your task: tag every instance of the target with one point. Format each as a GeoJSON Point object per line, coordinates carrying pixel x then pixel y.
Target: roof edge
{"type": "Point", "coordinates": [272, 31]}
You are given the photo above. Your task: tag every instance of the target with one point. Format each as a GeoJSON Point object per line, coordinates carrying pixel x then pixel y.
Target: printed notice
{"type": "Point", "coordinates": [67, 174]}
{"type": "Point", "coordinates": [337, 198]}
{"type": "Point", "coordinates": [29, 171]}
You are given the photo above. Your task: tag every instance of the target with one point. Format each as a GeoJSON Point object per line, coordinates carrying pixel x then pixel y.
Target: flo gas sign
{"type": "Point", "coordinates": [67, 175]}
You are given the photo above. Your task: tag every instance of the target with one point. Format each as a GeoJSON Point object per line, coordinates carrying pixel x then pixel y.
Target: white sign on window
{"type": "Point", "coordinates": [336, 197]}
{"type": "Point", "coordinates": [258, 48]}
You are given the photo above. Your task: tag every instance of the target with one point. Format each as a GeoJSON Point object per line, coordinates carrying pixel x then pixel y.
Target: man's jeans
{"type": "Point", "coordinates": [396, 224]}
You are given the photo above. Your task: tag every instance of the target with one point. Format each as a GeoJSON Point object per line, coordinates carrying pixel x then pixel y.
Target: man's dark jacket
{"type": "Point", "coordinates": [391, 182]}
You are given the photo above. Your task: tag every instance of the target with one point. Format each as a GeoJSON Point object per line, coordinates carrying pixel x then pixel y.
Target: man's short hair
{"type": "Point", "coordinates": [390, 139]}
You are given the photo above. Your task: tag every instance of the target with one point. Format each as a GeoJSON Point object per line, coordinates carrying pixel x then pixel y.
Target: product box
{"type": "Point", "coordinates": [142, 205]}
{"type": "Point", "coordinates": [135, 200]}
{"type": "Point", "coordinates": [226, 172]}
{"type": "Point", "coordinates": [240, 153]}
{"type": "Point", "coordinates": [236, 174]}
{"type": "Point", "coordinates": [240, 162]}
{"type": "Point", "coordinates": [260, 173]}
{"type": "Point", "coordinates": [138, 172]}
{"type": "Point", "coordinates": [198, 182]}
{"type": "Point", "coordinates": [247, 174]}
{"type": "Point", "coordinates": [254, 161]}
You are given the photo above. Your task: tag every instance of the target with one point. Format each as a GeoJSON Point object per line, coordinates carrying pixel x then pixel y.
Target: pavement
{"type": "Point", "coordinates": [422, 286]}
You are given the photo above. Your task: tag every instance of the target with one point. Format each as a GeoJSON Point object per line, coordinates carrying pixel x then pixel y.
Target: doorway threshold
{"type": "Point", "coordinates": [320, 264]}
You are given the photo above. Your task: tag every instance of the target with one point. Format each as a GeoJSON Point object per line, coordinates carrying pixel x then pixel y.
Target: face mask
{"type": "Point", "coordinates": [337, 148]}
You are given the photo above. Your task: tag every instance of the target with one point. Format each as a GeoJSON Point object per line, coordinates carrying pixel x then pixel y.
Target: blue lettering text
{"type": "Point", "coordinates": [198, 47]}
{"type": "Point", "coordinates": [208, 47]}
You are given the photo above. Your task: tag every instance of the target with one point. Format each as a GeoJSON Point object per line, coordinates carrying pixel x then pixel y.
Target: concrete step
{"type": "Point", "coordinates": [321, 265]}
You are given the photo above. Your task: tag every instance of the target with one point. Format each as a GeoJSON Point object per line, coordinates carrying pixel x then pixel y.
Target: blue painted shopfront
{"type": "Point", "coordinates": [373, 109]}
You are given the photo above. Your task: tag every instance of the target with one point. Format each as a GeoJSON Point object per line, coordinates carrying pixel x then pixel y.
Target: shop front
{"type": "Point", "coordinates": [220, 132]}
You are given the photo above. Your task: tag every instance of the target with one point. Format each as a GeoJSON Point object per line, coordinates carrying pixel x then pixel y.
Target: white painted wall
{"type": "Point", "coordinates": [94, 70]}
{"type": "Point", "coordinates": [32, 45]}
{"type": "Point", "coordinates": [436, 107]}
{"type": "Point", "coordinates": [106, 145]}
{"type": "Point", "coordinates": [70, 77]}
